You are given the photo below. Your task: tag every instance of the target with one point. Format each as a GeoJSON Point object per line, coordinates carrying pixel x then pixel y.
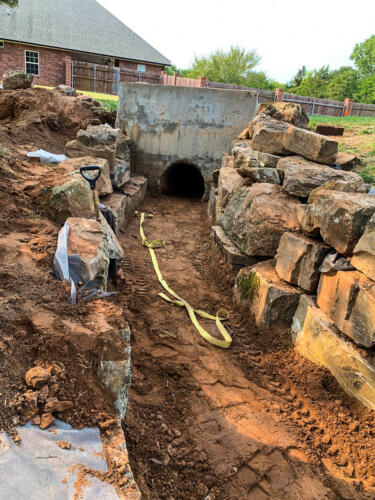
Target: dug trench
{"type": "Point", "coordinates": [253, 421]}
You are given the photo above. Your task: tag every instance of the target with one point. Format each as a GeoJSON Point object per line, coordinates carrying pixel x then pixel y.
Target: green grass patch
{"type": "Point", "coordinates": [248, 284]}
{"type": "Point", "coordinates": [4, 152]}
{"type": "Point", "coordinates": [344, 121]}
{"type": "Point", "coordinates": [350, 151]}
{"type": "Point", "coordinates": [368, 173]}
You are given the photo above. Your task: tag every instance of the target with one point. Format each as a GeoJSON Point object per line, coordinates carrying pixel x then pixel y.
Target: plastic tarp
{"type": "Point", "coordinates": [46, 157]}
{"type": "Point", "coordinates": [39, 469]}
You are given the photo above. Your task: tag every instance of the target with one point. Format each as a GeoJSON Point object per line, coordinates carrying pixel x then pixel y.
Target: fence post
{"type": "Point", "coordinates": [279, 95]}
{"type": "Point", "coordinates": [68, 70]}
{"type": "Point", "coordinates": [348, 106]}
{"type": "Point", "coordinates": [162, 77]}
{"type": "Point", "coordinates": [174, 79]}
{"type": "Point", "coordinates": [202, 81]}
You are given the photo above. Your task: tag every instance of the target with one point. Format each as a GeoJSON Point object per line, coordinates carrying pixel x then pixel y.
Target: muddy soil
{"type": "Point", "coordinates": [252, 422]}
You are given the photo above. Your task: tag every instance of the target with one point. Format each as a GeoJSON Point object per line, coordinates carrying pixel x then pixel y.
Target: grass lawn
{"type": "Point", "coordinates": [344, 121]}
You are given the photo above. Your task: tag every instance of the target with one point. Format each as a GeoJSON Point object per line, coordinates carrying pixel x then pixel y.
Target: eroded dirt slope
{"type": "Point", "coordinates": [256, 421]}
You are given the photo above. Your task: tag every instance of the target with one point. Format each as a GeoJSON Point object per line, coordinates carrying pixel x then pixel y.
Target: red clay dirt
{"type": "Point", "coordinates": [252, 422]}
{"type": "Point", "coordinates": [37, 325]}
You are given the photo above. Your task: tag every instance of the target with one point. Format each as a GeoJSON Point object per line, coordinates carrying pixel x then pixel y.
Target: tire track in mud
{"type": "Point", "coordinates": [256, 421]}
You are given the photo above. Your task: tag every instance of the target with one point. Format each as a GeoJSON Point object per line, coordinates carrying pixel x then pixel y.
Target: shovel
{"type": "Point", "coordinates": [91, 179]}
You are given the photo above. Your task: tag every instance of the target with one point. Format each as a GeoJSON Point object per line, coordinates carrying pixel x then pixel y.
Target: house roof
{"type": "Point", "coordinates": [79, 25]}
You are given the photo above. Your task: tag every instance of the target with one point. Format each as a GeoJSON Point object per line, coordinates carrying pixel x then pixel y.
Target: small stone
{"type": "Point", "coordinates": [36, 377]}
{"type": "Point", "coordinates": [65, 445]}
{"type": "Point", "coordinates": [46, 420]}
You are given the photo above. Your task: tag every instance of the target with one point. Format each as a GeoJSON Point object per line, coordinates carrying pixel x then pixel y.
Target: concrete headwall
{"type": "Point", "coordinates": [169, 125]}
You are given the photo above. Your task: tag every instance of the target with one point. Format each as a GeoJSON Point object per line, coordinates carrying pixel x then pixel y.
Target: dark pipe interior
{"type": "Point", "coordinates": [182, 180]}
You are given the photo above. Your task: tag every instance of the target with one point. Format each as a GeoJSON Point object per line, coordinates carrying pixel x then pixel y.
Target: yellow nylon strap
{"type": "Point", "coordinates": [221, 315]}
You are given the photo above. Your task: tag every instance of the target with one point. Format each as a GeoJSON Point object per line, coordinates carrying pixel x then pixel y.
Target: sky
{"type": "Point", "coordinates": [286, 33]}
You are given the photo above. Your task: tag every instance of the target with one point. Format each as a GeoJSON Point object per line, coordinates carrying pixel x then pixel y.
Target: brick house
{"type": "Point", "coordinates": [49, 38]}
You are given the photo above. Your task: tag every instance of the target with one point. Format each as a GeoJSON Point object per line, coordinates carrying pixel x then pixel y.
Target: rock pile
{"type": "Point", "coordinates": [281, 197]}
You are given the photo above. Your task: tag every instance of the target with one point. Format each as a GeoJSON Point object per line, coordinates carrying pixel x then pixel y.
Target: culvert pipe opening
{"type": "Point", "coordinates": [182, 180]}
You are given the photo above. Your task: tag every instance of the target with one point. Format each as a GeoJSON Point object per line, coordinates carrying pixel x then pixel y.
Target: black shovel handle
{"type": "Point", "coordinates": [91, 180]}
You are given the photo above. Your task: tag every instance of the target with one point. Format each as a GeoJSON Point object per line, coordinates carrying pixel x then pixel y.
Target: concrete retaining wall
{"type": "Point", "coordinates": [169, 125]}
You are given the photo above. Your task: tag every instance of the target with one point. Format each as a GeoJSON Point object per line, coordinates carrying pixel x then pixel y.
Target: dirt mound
{"type": "Point", "coordinates": [41, 118]}
{"type": "Point", "coordinates": [38, 327]}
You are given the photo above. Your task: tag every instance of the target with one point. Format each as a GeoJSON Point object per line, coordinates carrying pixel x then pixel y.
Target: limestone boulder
{"type": "Point", "coordinates": [310, 145]}
{"type": "Point", "coordinates": [328, 129]}
{"type": "Point", "coordinates": [229, 179]}
{"type": "Point", "coordinates": [348, 298]}
{"type": "Point", "coordinates": [271, 301]}
{"type": "Point", "coordinates": [315, 338]}
{"type": "Point", "coordinates": [286, 111]}
{"type": "Point", "coordinates": [86, 239]}
{"type": "Point", "coordinates": [340, 217]}
{"type": "Point", "coordinates": [298, 260]}
{"type": "Point", "coordinates": [364, 252]}
{"type": "Point", "coordinates": [244, 135]}
{"type": "Point", "coordinates": [231, 255]}
{"type": "Point", "coordinates": [104, 184]}
{"type": "Point", "coordinates": [345, 161]}
{"type": "Point", "coordinates": [112, 246]}
{"type": "Point", "coordinates": [267, 135]}
{"type": "Point", "coordinates": [247, 157]}
{"type": "Point", "coordinates": [66, 90]}
{"type": "Point", "coordinates": [116, 203]}
{"type": "Point", "coordinates": [262, 174]}
{"type": "Point", "coordinates": [303, 176]}
{"type": "Point", "coordinates": [135, 191]}
{"type": "Point", "coordinates": [71, 198]}
{"type": "Point", "coordinates": [13, 80]}
{"type": "Point", "coordinates": [256, 217]}
{"type": "Point", "coordinates": [344, 186]}
{"type": "Point", "coordinates": [106, 142]}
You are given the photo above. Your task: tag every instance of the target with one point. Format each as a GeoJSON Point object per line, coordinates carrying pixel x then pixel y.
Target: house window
{"type": "Point", "coordinates": [141, 68]}
{"type": "Point", "coordinates": [1, 44]}
{"type": "Point", "coordinates": [32, 62]}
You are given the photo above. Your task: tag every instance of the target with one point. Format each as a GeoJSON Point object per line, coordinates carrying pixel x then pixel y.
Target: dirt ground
{"type": "Point", "coordinates": [252, 422]}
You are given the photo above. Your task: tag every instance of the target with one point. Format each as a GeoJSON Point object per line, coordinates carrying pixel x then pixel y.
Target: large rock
{"type": "Point", "coordinates": [270, 300]}
{"type": "Point", "coordinates": [348, 298]}
{"type": "Point", "coordinates": [346, 161]}
{"type": "Point", "coordinates": [244, 156]}
{"type": "Point", "coordinates": [104, 184]}
{"type": "Point", "coordinates": [354, 186]}
{"type": "Point", "coordinates": [13, 80]}
{"type": "Point", "coordinates": [315, 337]}
{"type": "Point", "coordinates": [310, 145]}
{"type": "Point", "coordinates": [298, 260]}
{"type": "Point", "coordinates": [286, 112]}
{"type": "Point", "coordinates": [66, 90]}
{"type": "Point", "coordinates": [256, 217]}
{"type": "Point", "coordinates": [231, 255]}
{"type": "Point", "coordinates": [303, 176]}
{"type": "Point", "coordinates": [72, 198]}
{"type": "Point", "coordinates": [96, 244]}
{"type": "Point", "coordinates": [364, 252]}
{"type": "Point", "coordinates": [116, 203]}
{"type": "Point", "coordinates": [106, 142]}
{"type": "Point", "coordinates": [135, 191]}
{"type": "Point", "coordinates": [259, 174]}
{"type": "Point", "coordinates": [229, 179]}
{"type": "Point", "coordinates": [86, 239]}
{"type": "Point", "coordinates": [268, 134]}
{"type": "Point", "coordinates": [328, 129]}
{"type": "Point", "coordinates": [340, 217]}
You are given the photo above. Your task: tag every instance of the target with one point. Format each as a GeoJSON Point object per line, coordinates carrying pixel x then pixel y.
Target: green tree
{"type": "Point", "coordinates": [366, 90]}
{"type": "Point", "coordinates": [298, 78]}
{"type": "Point", "coordinates": [235, 66]}
{"type": "Point", "coordinates": [315, 83]}
{"type": "Point", "coordinates": [344, 83]}
{"type": "Point", "coordinates": [11, 3]}
{"type": "Point", "coordinates": [363, 56]}
{"type": "Point", "coordinates": [173, 69]}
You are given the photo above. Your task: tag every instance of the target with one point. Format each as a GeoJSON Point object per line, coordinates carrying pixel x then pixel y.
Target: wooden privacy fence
{"type": "Point", "coordinates": [106, 79]}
